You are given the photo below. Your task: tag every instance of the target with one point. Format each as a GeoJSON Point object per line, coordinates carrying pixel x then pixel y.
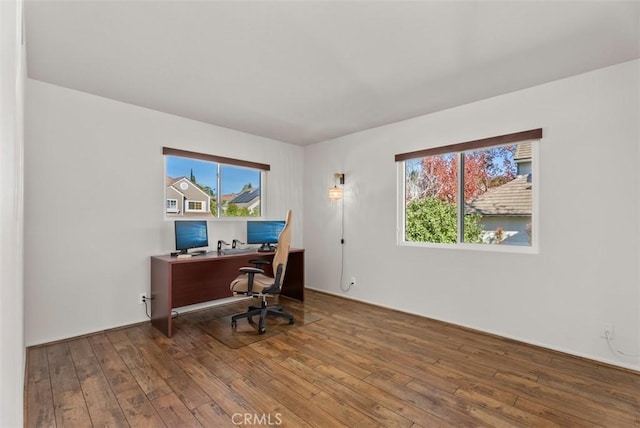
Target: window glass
{"type": "Point", "coordinates": [240, 191]}
{"type": "Point", "coordinates": [201, 188]}
{"type": "Point", "coordinates": [499, 195]}
{"type": "Point", "coordinates": [495, 202]}
{"type": "Point", "coordinates": [431, 189]}
{"type": "Point", "coordinates": [194, 206]}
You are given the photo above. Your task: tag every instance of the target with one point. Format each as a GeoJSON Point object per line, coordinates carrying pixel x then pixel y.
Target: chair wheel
{"type": "Point", "coordinates": [261, 330]}
{"type": "Point", "coordinates": [234, 324]}
{"type": "Point", "coordinates": [291, 322]}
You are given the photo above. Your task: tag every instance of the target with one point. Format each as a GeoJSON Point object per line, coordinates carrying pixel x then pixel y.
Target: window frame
{"type": "Point", "coordinates": [194, 210]}
{"type": "Point", "coordinates": [220, 161]}
{"type": "Point", "coordinates": [535, 136]}
{"type": "Point", "coordinates": [171, 209]}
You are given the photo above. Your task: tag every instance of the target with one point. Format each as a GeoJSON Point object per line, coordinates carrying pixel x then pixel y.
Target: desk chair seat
{"type": "Point", "coordinates": [253, 282]}
{"type": "Point", "coordinates": [240, 285]}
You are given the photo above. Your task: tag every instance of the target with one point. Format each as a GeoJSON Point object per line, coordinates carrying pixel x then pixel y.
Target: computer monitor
{"type": "Point", "coordinates": [265, 232]}
{"type": "Point", "coordinates": [191, 234]}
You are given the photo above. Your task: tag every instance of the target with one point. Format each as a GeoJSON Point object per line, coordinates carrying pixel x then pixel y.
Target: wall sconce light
{"type": "Point", "coordinates": [335, 193]}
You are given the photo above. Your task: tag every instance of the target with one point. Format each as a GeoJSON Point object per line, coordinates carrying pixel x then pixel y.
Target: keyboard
{"type": "Point", "coordinates": [238, 251]}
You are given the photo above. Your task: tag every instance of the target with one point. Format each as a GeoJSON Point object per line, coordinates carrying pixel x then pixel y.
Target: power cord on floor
{"type": "Point", "coordinates": [612, 346]}
{"type": "Point", "coordinates": [174, 314]}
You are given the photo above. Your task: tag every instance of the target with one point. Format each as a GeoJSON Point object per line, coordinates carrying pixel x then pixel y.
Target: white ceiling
{"type": "Point", "coordinates": [303, 72]}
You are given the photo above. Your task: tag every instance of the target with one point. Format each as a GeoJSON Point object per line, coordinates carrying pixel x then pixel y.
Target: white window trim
{"type": "Point", "coordinates": [173, 210]}
{"type": "Point", "coordinates": [188, 210]}
{"type": "Point", "coordinates": [534, 248]}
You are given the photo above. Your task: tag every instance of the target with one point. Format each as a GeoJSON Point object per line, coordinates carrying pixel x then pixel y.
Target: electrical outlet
{"type": "Point", "coordinates": [353, 281]}
{"type": "Point", "coordinates": [141, 298]}
{"type": "Point", "coordinates": [607, 331]}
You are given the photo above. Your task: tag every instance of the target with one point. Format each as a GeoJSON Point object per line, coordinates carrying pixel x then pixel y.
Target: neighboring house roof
{"type": "Point", "coordinates": [523, 151]}
{"type": "Point", "coordinates": [187, 190]}
{"type": "Point", "coordinates": [191, 192]}
{"type": "Point", "coordinates": [246, 196]}
{"type": "Point", "coordinates": [228, 197]}
{"type": "Point", "coordinates": [172, 189]}
{"type": "Point", "coordinates": [182, 189]}
{"type": "Point", "coordinates": [512, 198]}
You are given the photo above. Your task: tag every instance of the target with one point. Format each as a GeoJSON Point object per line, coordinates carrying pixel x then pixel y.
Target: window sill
{"type": "Point", "coordinates": [194, 216]}
{"type": "Point", "coordinates": [493, 248]}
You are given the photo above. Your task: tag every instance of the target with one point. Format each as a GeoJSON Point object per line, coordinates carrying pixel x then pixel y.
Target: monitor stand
{"type": "Point", "coordinates": [266, 248]}
{"type": "Point", "coordinates": [178, 253]}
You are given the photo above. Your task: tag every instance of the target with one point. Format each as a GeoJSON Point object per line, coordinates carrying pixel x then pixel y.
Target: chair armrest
{"type": "Point", "coordinates": [250, 270]}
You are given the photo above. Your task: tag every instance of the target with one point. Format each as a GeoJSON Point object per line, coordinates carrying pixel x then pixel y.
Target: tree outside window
{"type": "Point", "coordinates": [481, 196]}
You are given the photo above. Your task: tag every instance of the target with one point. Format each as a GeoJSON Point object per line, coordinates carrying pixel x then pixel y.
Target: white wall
{"type": "Point", "coordinates": [586, 272]}
{"type": "Point", "coordinates": [12, 350]}
{"type": "Point", "coordinates": [94, 186]}
{"type": "Point", "coordinates": [91, 220]}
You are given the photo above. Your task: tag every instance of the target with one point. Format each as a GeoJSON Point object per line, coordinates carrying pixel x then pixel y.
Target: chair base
{"type": "Point", "coordinates": [261, 311]}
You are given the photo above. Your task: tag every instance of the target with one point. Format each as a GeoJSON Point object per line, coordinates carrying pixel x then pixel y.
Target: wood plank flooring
{"type": "Point", "coordinates": [356, 365]}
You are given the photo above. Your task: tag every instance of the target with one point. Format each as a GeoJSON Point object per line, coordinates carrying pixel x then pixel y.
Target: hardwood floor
{"type": "Point", "coordinates": [354, 365]}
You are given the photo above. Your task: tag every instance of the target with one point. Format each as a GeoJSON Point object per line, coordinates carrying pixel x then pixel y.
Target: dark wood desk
{"type": "Point", "coordinates": [180, 282]}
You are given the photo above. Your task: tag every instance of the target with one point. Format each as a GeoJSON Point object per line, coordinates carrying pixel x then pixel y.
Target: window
{"type": "Point", "coordinates": [172, 205]}
{"type": "Point", "coordinates": [471, 194]}
{"type": "Point", "coordinates": [195, 206]}
{"type": "Point", "coordinates": [212, 186]}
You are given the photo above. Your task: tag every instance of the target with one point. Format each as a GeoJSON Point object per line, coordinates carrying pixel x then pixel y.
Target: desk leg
{"type": "Point", "coordinates": [293, 284]}
{"type": "Point", "coordinates": [161, 296]}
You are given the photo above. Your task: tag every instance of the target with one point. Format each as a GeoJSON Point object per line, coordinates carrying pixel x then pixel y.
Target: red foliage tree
{"type": "Point", "coordinates": [437, 176]}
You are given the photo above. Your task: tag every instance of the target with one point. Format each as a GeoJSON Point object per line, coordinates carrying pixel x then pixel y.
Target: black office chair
{"type": "Point", "coordinates": [253, 282]}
